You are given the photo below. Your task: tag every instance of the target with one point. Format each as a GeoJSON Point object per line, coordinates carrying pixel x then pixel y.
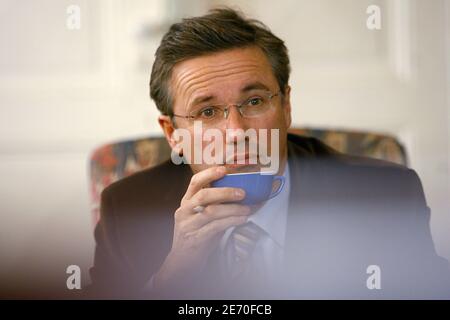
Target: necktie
{"type": "Point", "coordinates": [241, 246]}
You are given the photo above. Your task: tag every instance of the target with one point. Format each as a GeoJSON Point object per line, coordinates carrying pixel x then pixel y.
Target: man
{"type": "Point", "coordinates": [167, 233]}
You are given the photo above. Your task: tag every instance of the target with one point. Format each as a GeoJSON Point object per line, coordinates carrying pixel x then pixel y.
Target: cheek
{"type": "Point", "coordinates": [272, 119]}
{"type": "Point", "coordinates": [275, 120]}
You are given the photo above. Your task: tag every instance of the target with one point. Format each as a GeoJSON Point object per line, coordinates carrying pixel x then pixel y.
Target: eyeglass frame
{"type": "Point", "coordinates": [227, 107]}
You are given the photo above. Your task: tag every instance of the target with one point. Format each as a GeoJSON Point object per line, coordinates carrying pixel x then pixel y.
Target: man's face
{"type": "Point", "coordinates": [229, 77]}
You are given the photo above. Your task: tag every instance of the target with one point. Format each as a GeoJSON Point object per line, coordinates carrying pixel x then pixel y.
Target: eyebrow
{"type": "Point", "coordinates": [201, 99]}
{"type": "Point", "coordinates": [252, 86]}
{"type": "Point", "coordinates": [255, 86]}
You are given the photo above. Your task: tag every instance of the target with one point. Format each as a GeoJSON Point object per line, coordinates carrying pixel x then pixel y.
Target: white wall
{"type": "Point", "coordinates": [64, 92]}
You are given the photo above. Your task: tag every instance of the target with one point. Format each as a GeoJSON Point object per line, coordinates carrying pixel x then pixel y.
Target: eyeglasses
{"type": "Point", "coordinates": [254, 106]}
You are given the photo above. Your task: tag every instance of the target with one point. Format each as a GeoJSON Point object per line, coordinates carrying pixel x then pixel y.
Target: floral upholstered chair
{"type": "Point", "coordinates": [115, 161]}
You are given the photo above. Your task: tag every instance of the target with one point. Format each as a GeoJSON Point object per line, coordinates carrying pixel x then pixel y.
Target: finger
{"type": "Point", "coordinates": [202, 179]}
{"type": "Point", "coordinates": [219, 211]}
{"type": "Point", "coordinates": [206, 197]}
{"type": "Point", "coordinates": [209, 196]}
{"type": "Point", "coordinates": [214, 227]}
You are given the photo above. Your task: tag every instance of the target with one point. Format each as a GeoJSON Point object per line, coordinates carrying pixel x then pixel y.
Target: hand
{"type": "Point", "coordinates": [196, 235]}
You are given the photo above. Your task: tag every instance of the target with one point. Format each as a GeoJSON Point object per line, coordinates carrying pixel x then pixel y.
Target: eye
{"type": "Point", "coordinates": [255, 102]}
{"type": "Point", "coordinates": [208, 112]}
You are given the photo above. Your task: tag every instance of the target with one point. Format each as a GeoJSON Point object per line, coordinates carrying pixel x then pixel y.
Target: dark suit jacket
{"type": "Point", "coordinates": [345, 214]}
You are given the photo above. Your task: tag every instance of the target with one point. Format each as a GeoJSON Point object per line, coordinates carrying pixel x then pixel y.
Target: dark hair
{"type": "Point", "coordinates": [219, 30]}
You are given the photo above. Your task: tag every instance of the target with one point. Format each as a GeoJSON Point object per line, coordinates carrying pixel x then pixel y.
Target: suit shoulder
{"type": "Point", "coordinates": [381, 177]}
{"type": "Point", "coordinates": [148, 180]}
{"type": "Point", "coordinates": [366, 162]}
{"type": "Point", "coordinates": [318, 149]}
{"type": "Point", "coordinates": [332, 163]}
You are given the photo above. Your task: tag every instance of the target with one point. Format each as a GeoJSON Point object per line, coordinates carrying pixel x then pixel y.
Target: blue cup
{"type": "Point", "coordinates": [258, 187]}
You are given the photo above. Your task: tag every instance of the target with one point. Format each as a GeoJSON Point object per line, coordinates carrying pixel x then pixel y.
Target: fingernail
{"type": "Point", "coordinates": [239, 193]}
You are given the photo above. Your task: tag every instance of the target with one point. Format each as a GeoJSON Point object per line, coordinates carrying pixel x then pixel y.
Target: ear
{"type": "Point", "coordinates": [168, 128]}
{"type": "Point", "coordinates": [287, 106]}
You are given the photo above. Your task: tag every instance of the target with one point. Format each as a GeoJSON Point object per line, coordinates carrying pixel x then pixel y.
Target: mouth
{"type": "Point", "coordinates": [242, 168]}
{"type": "Point", "coordinates": [242, 159]}
{"type": "Point", "coordinates": [242, 163]}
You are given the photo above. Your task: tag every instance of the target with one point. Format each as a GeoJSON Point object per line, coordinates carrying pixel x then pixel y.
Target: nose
{"type": "Point", "coordinates": [234, 119]}
{"type": "Point", "coordinates": [235, 125]}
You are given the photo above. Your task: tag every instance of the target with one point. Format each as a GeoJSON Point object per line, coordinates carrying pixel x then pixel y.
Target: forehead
{"type": "Point", "coordinates": [220, 74]}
